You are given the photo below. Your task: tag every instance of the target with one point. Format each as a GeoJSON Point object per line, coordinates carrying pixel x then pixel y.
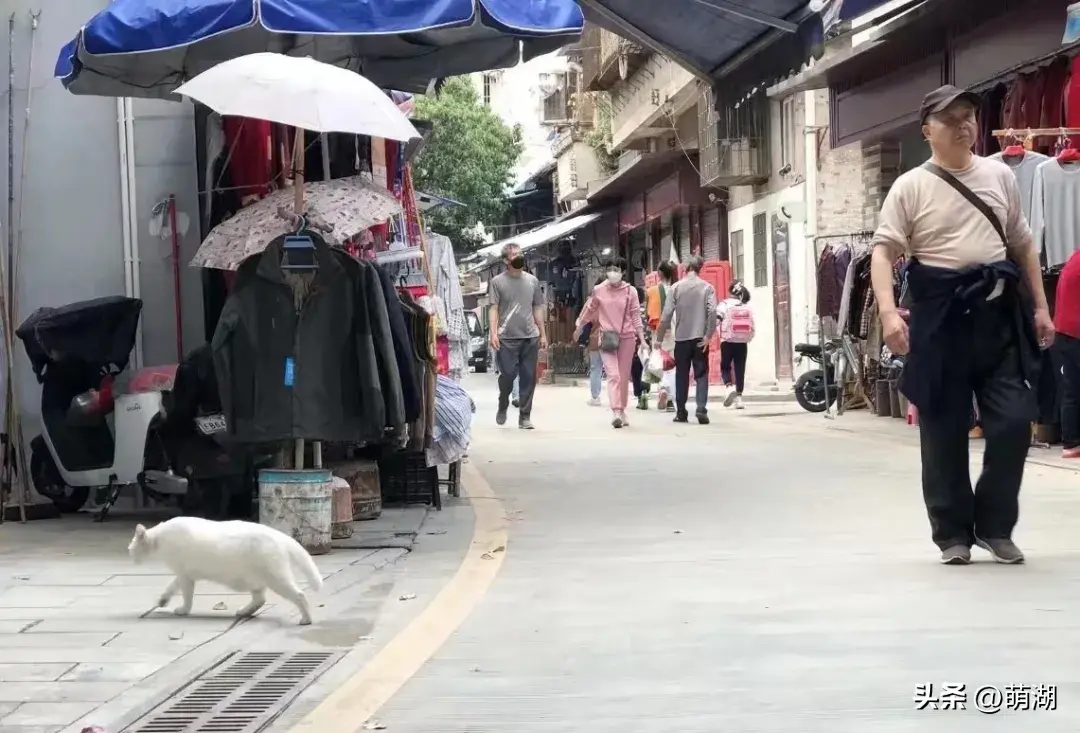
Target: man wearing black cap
{"type": "Point", "coordinates": [973, 275]}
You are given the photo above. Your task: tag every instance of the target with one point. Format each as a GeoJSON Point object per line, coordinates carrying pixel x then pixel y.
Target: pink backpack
{"type": "Point", "coordinates": [738, 325]}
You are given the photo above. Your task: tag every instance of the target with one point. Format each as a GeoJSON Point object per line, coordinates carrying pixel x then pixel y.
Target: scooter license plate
{"type": "Point", "coordinates": [211, 424]}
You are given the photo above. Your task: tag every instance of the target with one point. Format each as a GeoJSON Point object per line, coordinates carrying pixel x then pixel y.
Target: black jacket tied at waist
{"type": "Point", "coordinates": [939, 372]}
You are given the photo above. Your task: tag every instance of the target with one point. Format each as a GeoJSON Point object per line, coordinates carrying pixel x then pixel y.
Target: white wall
{"type": "Point", "coordinates": [577, 167]}
{"type": "Point", "coordinates": [71, 227]}
{"type": "Point", "coordinates": [761, 363]}
{"type": "Point", "coordinates": [516, 98]}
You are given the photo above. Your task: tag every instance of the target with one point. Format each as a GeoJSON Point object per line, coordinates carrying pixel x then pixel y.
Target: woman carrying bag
{"type": "Point", "coordinates": [590, 338]}
{"type": "Point", "coordinates": [616, 308]}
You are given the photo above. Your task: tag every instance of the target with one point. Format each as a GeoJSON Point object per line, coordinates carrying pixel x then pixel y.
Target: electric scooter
{"type": "Point", "coordinates": [76, 352]}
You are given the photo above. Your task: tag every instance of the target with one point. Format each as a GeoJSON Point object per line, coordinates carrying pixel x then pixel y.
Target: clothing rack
{"type": "Point", "coordinates": [830, 238]}
{"type": "Point", "coordinates": [859, 242]}
{"type": "Point", "coordinates": [1037, 132]}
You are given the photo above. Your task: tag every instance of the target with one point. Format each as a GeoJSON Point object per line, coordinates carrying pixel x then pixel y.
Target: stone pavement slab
{"type": "Point", "coordinates": [395, 527]}
{"type": "Point", "coordinates": [47, 714]}
{"type": "Point", "coordinates": [75, 647]}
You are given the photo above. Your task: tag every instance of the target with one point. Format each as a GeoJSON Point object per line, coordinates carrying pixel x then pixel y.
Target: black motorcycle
{"type": "Point", "coordinates": [811, 387]}
{"type": "Point", "coordinates": [817, 389]}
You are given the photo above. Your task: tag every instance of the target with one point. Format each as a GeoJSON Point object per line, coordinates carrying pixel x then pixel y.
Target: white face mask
{"type": "Point", "coordinates": [614, 277]}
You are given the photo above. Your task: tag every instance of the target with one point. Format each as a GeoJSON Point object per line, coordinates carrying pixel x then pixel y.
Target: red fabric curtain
{"type": "Point", "coordinates": [248, 141]}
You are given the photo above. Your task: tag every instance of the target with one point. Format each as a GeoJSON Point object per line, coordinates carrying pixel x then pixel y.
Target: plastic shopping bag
{"type": "Point", "coordinates": [654, 367]}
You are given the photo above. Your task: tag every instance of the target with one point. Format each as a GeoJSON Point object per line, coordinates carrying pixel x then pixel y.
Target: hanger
{"type": "Point", "coordinates": [1068, 153]}
{"type": "Point", "coordinates": [1014, 150]}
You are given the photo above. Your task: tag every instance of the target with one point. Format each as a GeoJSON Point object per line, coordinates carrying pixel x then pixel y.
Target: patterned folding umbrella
{"type": "Point", "coordinates": [342, 208]}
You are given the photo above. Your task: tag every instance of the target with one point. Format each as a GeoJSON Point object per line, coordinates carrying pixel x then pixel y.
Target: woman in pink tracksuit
{"type": "Point", "coordinates": [615, 306]}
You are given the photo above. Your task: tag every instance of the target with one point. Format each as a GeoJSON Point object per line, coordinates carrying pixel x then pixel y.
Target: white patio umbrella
{"type": "Point", "coordinates": [300, 92]}
{"type": "Point", "coordinates": [308, 95]}
{"type": "Point", "coordinates": [303, 93]}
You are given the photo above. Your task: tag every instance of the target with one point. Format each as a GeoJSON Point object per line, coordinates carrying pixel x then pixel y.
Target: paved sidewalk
{"type": "Point", "coordinates": [74, 645]}
{"type": "Point", "coordinates": [762, 574]}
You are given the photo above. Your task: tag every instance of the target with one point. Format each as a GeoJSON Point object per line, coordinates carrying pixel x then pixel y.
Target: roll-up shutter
{"type": "Point", "coordinates": [684, 236]}
{"type": "Point", "coordinates": [710, 235]}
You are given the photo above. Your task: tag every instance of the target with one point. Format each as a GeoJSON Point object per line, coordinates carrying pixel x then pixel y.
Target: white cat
{"type": "Point", "coordinates": [243, 556]}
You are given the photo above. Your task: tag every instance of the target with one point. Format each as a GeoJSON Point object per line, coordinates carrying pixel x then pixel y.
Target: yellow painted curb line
{"type": "Point", "coordinates": [353, 704]}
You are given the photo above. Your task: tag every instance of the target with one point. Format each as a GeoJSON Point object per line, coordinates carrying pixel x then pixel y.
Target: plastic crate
{"type": "Point", "coordinates": [405, 478]}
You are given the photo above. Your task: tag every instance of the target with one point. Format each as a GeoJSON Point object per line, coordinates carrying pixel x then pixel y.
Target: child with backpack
{"type": "Point", "coordinates": [736, 331]}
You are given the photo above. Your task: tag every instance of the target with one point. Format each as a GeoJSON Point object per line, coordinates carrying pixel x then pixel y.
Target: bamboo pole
{"type": "Point", "coordinates": [298, 209]}
{"type": "Point", "coordinates": [1021, 133]}
{"type": "Point", "coordinates": [16, 464]}
{"type": "Point", "coordinates": [420, 226]}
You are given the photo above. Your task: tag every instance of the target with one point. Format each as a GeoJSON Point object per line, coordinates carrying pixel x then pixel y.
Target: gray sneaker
{"type": "Point", "coordinates": [526, 424]}
{"type": "Point", "coordinates": [1003, 551]}
{"type": "Point", "coordinates": [500, 417]}
{"type": "Point", "coordinates": [956, 555]}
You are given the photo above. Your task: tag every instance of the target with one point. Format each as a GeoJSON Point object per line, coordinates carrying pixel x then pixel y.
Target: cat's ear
{"type": "Point", "coordinates": [140, 532]}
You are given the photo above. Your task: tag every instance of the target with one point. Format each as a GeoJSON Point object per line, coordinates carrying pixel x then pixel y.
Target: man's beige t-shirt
{"type": "Point", "coordinates": [927, 218]}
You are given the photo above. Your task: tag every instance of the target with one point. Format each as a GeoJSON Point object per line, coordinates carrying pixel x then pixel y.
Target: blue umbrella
{"type": "Point", "coordinates": [147, 48]}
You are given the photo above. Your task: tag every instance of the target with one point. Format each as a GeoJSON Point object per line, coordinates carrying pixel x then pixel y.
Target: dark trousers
{"type": "Point", "coordinates": [1006, 408]}
{"type": "Point", "coordinates": [636, 370]}
{"type": "Point", "coordinates": [518, 357]}
{"type": "Point", "coordinates": [688, 354]}
{"type": "Point", "coordinates": [733, 356]}
{"type": "Point", "coordinates": [1068, 355]}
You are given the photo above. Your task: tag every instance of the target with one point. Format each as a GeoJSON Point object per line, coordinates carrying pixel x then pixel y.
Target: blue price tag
{"type": "Point", "coordinates": [290, 371]}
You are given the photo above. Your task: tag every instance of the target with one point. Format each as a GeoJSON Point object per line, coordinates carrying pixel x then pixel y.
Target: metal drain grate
{"type": "Point", "coordinates": [240, 695]}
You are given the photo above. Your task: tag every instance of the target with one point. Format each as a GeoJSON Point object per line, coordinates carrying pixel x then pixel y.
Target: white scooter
{"type": "Point", "coordinates": [76, 352]}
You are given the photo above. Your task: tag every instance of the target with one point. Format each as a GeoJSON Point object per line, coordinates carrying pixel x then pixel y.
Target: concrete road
{"type": "Point", "coordinates": [768, 572]}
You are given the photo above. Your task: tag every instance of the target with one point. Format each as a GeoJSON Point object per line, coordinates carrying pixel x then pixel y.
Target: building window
{"type": "Point", "coordinates": [738, 255]}
{"type": "Point", "coordinates": [788, 138]}
{"type": "Point", "coordinates": [489, 82]}
{"type": "Point", "coordinates": [761, 251]}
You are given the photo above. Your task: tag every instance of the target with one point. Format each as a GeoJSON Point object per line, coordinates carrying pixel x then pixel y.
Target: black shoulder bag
{"type": "Point", "coordinates": [970, 195]}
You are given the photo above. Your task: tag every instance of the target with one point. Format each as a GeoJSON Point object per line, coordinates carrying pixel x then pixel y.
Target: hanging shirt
{"type": "Point", "coordinates": [248, 143]}
{"type": "Point", "coordinates": [1067, 299]}
{"type": "Point", "coordinates": [1055, 215]}
{"type": "Point", "coordinates": [1024, 170]}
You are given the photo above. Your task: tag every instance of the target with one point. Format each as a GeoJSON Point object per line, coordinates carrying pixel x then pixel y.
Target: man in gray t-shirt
{"type": "Point", "coordinates": [517, 333]}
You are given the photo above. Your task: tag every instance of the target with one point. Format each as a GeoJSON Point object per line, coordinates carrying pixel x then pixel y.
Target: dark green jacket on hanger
{"type": "Point", "coordinates": [318, 372]}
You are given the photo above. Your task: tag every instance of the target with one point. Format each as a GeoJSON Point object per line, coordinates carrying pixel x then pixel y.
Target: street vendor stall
{"type": "Point", "coordinates": [353, 244]}
{"type": "Point", "coordinates": [315, 343]}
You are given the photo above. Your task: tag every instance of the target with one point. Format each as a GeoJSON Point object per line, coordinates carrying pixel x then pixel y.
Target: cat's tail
{"type": "Point", "coordinates": [302, 561]}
